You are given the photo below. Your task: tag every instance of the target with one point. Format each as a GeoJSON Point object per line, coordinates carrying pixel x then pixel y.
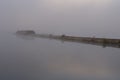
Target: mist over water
{"type": "Point", "coordinates": [79, 17]}
{"type": "Point", "coordinates": [45, 59]}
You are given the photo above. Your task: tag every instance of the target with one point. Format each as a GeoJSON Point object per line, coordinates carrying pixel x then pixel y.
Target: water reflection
{"type": "Point", "coordinates": [41, 59]}
{"type": "Point", "coordinates": [31, 37]}
{"type": "Point", "coordinates": [84, 63]}
{"type": "Point", "coordinates": [26, 37]}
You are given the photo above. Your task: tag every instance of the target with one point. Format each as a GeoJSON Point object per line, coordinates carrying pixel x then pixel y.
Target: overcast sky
{"type": "Point", "coordinates": [73, 17]}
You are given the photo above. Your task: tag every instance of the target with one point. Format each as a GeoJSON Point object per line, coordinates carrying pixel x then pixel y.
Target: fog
{"type": "Point", "coordinates": [34, 59]}
{"type": "Point", "coordinates": [73, 17]}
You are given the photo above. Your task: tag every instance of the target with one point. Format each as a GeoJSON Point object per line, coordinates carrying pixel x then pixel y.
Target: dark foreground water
{"type": "Point", "coordinates": [27, 58]}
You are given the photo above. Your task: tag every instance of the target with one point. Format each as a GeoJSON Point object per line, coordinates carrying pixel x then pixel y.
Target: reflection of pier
{"type": "Point", "coordinates": [88, 40]}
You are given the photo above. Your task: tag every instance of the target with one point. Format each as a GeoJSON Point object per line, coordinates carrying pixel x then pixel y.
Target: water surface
{"type": "Point", "coordinates": [44, 59]}
{"type": "Point", "coordinates": [27, 58]}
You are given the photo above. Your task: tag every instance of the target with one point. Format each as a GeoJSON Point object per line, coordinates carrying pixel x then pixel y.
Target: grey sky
{"type": "Point", "coordinates": [72, 17]}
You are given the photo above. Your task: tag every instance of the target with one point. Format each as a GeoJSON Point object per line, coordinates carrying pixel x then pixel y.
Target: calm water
{"type": "Point", "coordinates": [44, 59]}
{"type": "Point", "coordinates": [27, 58]}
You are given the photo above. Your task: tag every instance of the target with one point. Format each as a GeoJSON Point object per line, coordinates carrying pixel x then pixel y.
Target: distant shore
{"type": "Point", "coordinates": [92, 40]}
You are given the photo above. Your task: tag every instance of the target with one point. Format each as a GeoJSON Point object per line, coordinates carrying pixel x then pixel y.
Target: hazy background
{"type": "Point", "coordinates": [28, 58]}
{"type": "Point", "coordinates": [73, 17]}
